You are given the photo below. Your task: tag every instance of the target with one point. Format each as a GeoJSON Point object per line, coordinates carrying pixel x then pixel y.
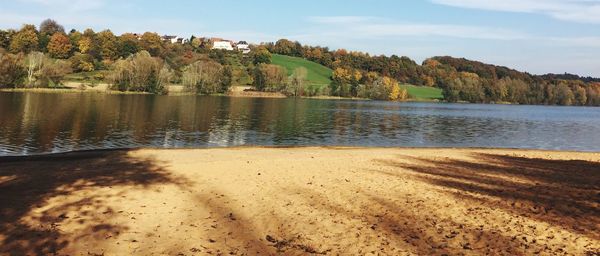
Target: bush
{"type": "Point", "coordinates": [206, 77]}
{"type": "Point", "coordinates": [297, 82]}
{"type": "Point", "coordinates": [98, 77]}
{"type": "Point", "coordinates": [54, 71]}
{"type": "Point", "coordinates": [43, 71]}
{"type": "Point", "coordinates": [82, 62]}
{"type": "Point", "coordinates": [382, 88]}
{"type": "Point", "coordinates": [261, 55]}
{"type": "Point", "coordinates": [12, 72]}
{"type": "Point", "coordinates": [140, 72]}
{"type": "Point", "coordinates": [271, 78]}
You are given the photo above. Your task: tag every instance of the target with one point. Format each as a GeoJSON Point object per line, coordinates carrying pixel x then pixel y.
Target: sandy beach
{"type": "Point", "coordinates": [297, 201]}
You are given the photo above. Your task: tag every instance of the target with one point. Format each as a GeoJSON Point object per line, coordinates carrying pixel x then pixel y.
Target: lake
{"type": "Point", "coordinates": [35, 123]}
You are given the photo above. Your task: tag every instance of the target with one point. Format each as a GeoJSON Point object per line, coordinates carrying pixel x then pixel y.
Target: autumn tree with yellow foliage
{"type": "Point", "coordinates": [26, 40]}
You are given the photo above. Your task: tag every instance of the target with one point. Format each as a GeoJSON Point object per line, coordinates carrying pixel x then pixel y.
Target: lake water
{"type": "Point", "coordinates": [34, 123]}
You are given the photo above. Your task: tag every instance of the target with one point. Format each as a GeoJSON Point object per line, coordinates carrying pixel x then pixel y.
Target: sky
{"type": "Point", "coordinates": [536, 36]}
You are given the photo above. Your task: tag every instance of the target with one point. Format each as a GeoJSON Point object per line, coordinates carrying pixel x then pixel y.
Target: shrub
{"type": "Point", "coordinates": [382, 88]}
{"type": "Point", "coordinates": [82, 62]}
{"type": "Point", "coordinates": [43, 71]}
{"type": "Point", "coordinates": [140, 72]}
{"type": "Point", "coordinates": [12, 72]}
{"type": "Point", "coordinates": [297, 82]}
{"type": "Point", "coordinates": [271, 78]}
{"type": "Point", "coordinates": [206, 77]}
{"type": "Point", "coordinates": [53, 72]}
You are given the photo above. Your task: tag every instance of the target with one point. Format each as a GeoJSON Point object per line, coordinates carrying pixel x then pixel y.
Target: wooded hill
{"type": "Point", "coordinates": [145, 62]}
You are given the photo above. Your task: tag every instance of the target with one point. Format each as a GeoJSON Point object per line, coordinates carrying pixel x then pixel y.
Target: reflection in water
{"type": "Point", "coordinates": [34, 123]}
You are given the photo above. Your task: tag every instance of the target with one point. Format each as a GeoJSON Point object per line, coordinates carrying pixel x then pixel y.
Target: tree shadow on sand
{"type": "Point", "coordinates": [231, 232]}
{"type": "Point", "coordinates": [387, 221]}
{"type": "Point", "coordinates": [28, 183]}
{"type": "Point", "coordinates": [559, 192]}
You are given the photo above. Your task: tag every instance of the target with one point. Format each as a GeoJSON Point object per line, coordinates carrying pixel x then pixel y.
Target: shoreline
{"type": "Point", "coordinates": [299, 200]}
{"type": "Point", "coordinates": [325, 147]}
{"type": "Point", "coordinates": [176, 90]}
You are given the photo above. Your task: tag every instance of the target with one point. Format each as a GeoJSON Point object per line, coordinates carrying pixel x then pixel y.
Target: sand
{"type": "Point", "coordinates": [298, 201]}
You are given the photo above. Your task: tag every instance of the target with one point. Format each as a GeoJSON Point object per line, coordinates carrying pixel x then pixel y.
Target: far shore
{"type": "Point", "coordinates": [173, 90]}
{"type": "Point", "coordinates": [178, 90]}
{"type": "Point", "coordinates": [296, 201]}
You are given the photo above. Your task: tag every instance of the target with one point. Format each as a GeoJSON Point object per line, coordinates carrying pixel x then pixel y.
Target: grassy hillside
{"type": "Point", "coordinates": [423, 92]}
{"type": "Point", "coordinates": [318, 75]}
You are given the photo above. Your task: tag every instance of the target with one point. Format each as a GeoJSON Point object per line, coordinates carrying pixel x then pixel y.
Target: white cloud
{"type": "Point", "coordinates": [456, 31]}
{"type": "Point", "coordinates": [583, 11]}
{"type": "Point", "coordinates": [357, 27]}
{"type": "Point", "coordinates": [378, 27]}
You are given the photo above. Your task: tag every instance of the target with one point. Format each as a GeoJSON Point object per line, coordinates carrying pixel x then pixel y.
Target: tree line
{"type": "Point", "coordinates": [460, 79]}
{"type": "Point", "coordinates": [147, 63]}
{"type": "Point", "coordinates": [133, 62]}
{"type": "Point", "coordinates": [31, 57]}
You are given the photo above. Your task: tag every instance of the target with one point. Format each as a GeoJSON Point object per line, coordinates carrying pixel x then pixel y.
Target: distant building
{"type": "Point", "coordinates": [172, 39]}
{"type": "Point", "coordinates": [222, 45]}
{"type": "Point", "coordinates": [243, 46]}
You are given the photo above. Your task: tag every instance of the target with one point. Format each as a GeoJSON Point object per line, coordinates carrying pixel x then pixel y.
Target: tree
{"type": "Point", "coordinates": [297, 82]}
{"type": "Point", "coordinates": [140, 72]}
{"type": "Point", "coordinates": [393, 90]}
{"type": "Point", "coordinates": [355, 78]}
{"type": "Point", "coordinates": [204, 77]}
{"type": "Point", "coordinates": [261, 55]}
{"type": "Point", "coordinates": [340, 82]}
{"type": "Point", "coordinates": [498, 91]}
{"type": "Point", "coordinates": [451, 89]}
{"type": "Point", "coordinates": [60, 46]}
{"type": "Point", "coordinates": [43, 71]}
{"type": "Point", "coordinates": [285, 47]}
{"type": "Point", "coordinates": [82, 62]}
{"type": "Point", "coordinates": [346, 82]}
{"type": "Point", "coordinates": [383, 88]}
{"type": "Point", "coordinates": [53, 72]}
{"type": "Point", "coordinates": [5, 38]}
{"type": "Point", "coordinates": [152, 43]}
{"type": "Point", "coordinates": [270, 78]}
{"type": "Point", "coordinates": [196, 42]}
{"type": "Point", "coordinates": [88, 43]}
{"type": "Point", "coordinates": [580, 96]}
{"type": "Point", "coordinates": [128, 45]}
{"type": "Point", "coordinates": [33, 63]}
{"type": "Point", "coordinates": [226, 79]}
{"type": "Point", "coordinates": [108, 45]}
{"type": "Point", "coordinates": [471, 89]}
{"type": "Point", "coordinates": [564, 95]}
{"type": "Point", "coordinates": [75, 36]}
{"type": "Point", "coordinates": [12, 72]}
{"type": "Point", "coordinates": [47, 29]}
{"type": "Point", "coordinates": [593, 94]}
{"type": "Point", "coordinates": [50, 27]}
{"type": "Point", "coordinates": [26, 40]}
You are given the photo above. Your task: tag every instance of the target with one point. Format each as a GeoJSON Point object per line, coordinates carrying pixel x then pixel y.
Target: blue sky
{"type": "Point", "coordinates": [537, 36]}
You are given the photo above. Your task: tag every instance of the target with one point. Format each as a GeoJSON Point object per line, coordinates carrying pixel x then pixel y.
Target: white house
{"type": "Point", "coordinates": [171, 39]}
{"type": "Point", "coordinates": [243, 46]}
{"type": "Point", "coordinates": [223, 45]}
